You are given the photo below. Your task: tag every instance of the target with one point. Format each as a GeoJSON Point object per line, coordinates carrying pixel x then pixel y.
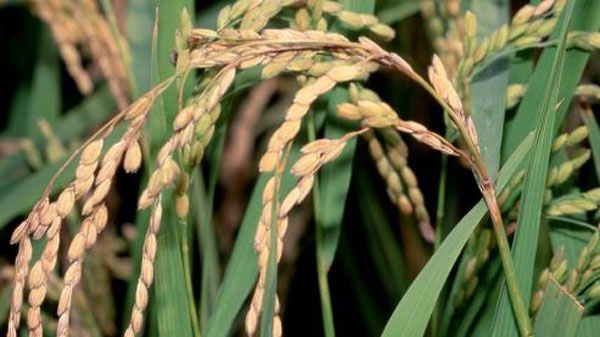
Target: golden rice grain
{"type": "Point", "coordinates": [231, 50]}
{"type": "Point", "coordinates": [395, 187]}
{"type": "Point", "coordinates": [133, 158]}
{"type": "Point", "coordinates": [21, 270]}
{"type": "Point", "coordinates": [147, 271]}
{"type": "Point", "coordinates": [302, 101]}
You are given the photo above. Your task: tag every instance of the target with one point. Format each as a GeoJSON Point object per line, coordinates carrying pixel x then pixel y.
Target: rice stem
{"type": "Point", "coordinates": [324, 293]}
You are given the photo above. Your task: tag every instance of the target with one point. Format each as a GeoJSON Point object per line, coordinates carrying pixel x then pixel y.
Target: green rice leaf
{"type": "Point", "coordinates": [172, 302]}
{"type": "Point", "coordinates": [399, 11]}
{"type": "Point", "coordinates": [589, 326]}
{"type": "Point", "coordinates": [450, 308]}
{"type": "Point", "coordinates": [594, 138]}
{"type": "Point", "coordinates": [560, 313]}
{"type": "Point", "coordinates": [242, 269]}
{"type": "Point", "coordinates": [171, 297]}
{"type": "Point", "coordinates": [585, 18]}
{"type": "Point", "coordinates": [170, 11]}
{"type": "Point", "coordinates": [18, 111]}
{"type": "Point", "coordinates": [140, 18]}
{"type": "Point", "coordinates": [488, 88]}
{"type": "Point", "coordinates": [385, 251]}
{"type": "Point", "coordinates": [335, 178]}
{"type": "Point", "coordinates": [24, 195]}
{"type": "Point", "coordinates": [82, 118]}
{"type": "Point", "coordinates": [525, 242]}
{"type": "Point", "coordinates": [471, 313]}
{"type": "Point", "coordinates": [44, 95]}
{"type": "Point", "coordinates": [209, 245]}
{"type": "Point", "coordinates": [481, 327]}
{"type": "Point", "coordinates": [412, 314]}
{"type": "Point", "coordinates": [140, 22]}
{"type": "Point", "coordinates": [573, 239]}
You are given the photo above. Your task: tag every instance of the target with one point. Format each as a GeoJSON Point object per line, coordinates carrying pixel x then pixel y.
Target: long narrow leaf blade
{"type": "Point", "coordinates": [76, 121]}
{"type": "Point", "coordinates": [208, 239]}
{"type": "Point", "coordinates": [386, 253]}
{"type": "Point", "coordinates": [172, 303]}
{"type": "Point", "coordinates": [412, 313]}
{"type": "Point", "coordinates": [335, 179]}
{"type": "Point", "coordinates": [560, 313]}
{"type": "Point", "coordinates": [140, 19]}
{"type": "Point", "coordinates": [525, 243]}
{"type": "Point", "coordinates": [45, 97]}
{"type": "Point", "coordinates": [585, 18]}
{"type": "Point", "coordinates": [594, 130]}
{"type": "Point", "coordinates": [589, 326]}
{"type": "Point", "coordinates": [399, 12]}
{"type": "Point", "coordinates": [488, 88]}
{"type": "Point", "coordinates": [171, 298]}
{"type": "Point", "coordinates": [242, 269]}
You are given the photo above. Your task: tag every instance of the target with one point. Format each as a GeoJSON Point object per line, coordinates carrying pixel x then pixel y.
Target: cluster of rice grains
{"type": "Point", "coordinates": [322, 61]}
{"type": "Point", "coordinates": [509, 202]}
{"type": "Point", "coordinates": [554, 205]}
{"type": "Point", "coordinates": [228, 50]}
{"type": "Point", "coordinates": [462, 54]}
{"type": "Point", "coordinates": [481, 244]}
{"type": "Point", "coordinates": [391, 161]}
{"type": "Point", "coordinates": [77, 25]}
{"type": "Point", "coordinates": [455, 39]}
{"type": "Point", "coordinates": [529, 26]}
{"type": "Point", "coordinates": [93, 179]}
{"type": "Point", "coordinates": [515, 92]}
{"type": "Point", "coordinates": [582, 280]}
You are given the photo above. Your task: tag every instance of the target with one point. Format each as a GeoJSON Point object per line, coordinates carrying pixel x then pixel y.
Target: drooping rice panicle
{"type": "Point", "coordinates": [147, 272]}
{"type": "Point", "coordinates": [76, 24]}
